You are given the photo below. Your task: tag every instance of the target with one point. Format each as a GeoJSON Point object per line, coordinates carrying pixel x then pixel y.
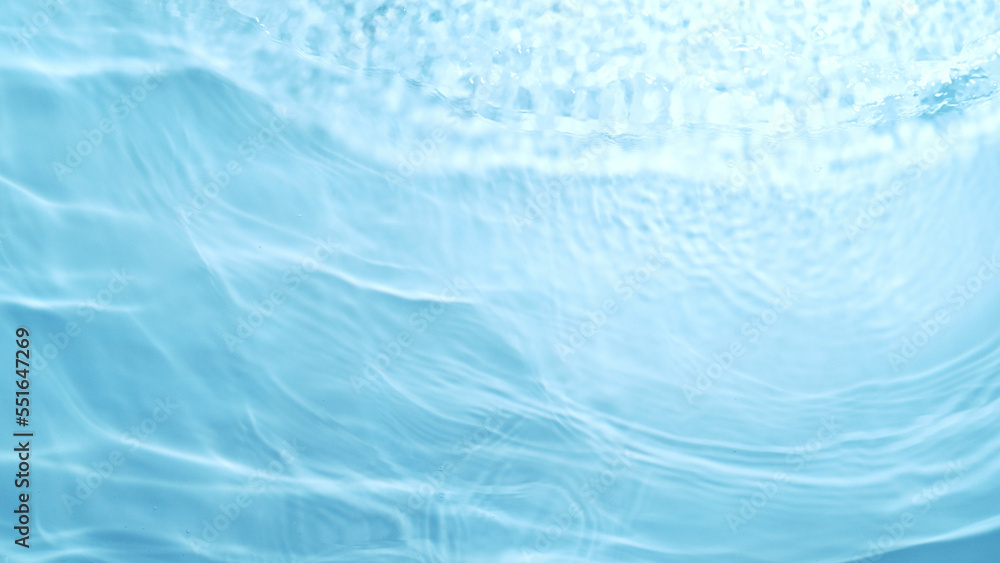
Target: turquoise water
{"type": "Point", "coordinates": [503, 281]}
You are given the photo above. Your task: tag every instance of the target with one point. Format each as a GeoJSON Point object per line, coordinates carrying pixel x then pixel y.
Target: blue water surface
{"type": "Point", "coordinates": [503, 281]}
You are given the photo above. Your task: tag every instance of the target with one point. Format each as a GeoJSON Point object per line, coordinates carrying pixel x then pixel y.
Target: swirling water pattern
{"type": "Point", "coordinates": [505, 281]}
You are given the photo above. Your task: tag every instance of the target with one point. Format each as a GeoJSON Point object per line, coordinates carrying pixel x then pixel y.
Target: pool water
{"type": "Point", "coordinates": [503, 281]}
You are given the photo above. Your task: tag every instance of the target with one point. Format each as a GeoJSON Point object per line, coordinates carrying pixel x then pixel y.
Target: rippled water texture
{"type": "Point", "coordinates": [504, 281]}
